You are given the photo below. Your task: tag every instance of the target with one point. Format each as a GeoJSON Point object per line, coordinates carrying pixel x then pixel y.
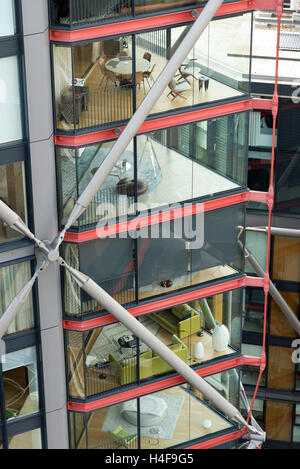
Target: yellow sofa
{"type": "Point", "coordinates": [151, 364]}
{"type": "Point", "coordinates": [181, 320]}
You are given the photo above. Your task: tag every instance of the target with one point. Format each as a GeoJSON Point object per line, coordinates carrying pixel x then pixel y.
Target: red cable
{"type": "Point", "coordinates": [279, 9]}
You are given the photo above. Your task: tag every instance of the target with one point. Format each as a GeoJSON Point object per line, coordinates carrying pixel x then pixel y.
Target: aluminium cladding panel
{"type": "Point", "coordinates": [34, 16]}
{"type": "Point", "coordinates": [38, 86]}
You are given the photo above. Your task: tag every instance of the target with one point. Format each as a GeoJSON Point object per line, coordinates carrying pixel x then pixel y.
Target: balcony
{"type": "Point", "coordinates": [110, 78]}
{"type": "Point", "coordinates": [182, 253]}
{"type": "Point", "coordinates": [179, 414]}
{"type": "Point", "coordinates": [184, 163]}
{"type": "Point", "coordinates": [110, 357]}
{"type": "Point", "coordinates": [70, 14]}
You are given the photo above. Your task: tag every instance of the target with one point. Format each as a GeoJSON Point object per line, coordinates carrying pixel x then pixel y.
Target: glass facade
{"type": "Point", "coordinates": [20, 379]}
{"type": "Point", "coordinates": [13, 193]}
{"type": "Point", "coordinates": [12, 279]}
{"type": "Point", "coordinates": [188, 162]}
{"type": "Point", "coordinates": [10, 101]}
{"type": "Point", "coordinates": [157, 260]}
{"type": "Point", "coordinates": [7, 19]}
{"type": "Point", "coordinates": [178, 415]}
{"type": "Point", "coordinates": [99, 360]}
{"type": "Point", "coordinates": [103, 82]}
{"type": "Point", "coordinates": [82, 13]}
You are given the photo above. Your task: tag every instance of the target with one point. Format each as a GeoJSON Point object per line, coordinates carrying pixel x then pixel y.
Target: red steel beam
{"type": "Point", "coordinates": [142, 390]}
{"type": "Point", "coordinates": [81, 326]}
{"type": "Point", "coordinates": [219, 440]}
{"type": "Point", "coordinates": [166, 122]}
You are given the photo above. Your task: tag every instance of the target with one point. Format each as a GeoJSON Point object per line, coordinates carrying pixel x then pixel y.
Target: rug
{"type": "Point", "coordinates": [166, 427]}
{"type": "Point", "coordinates": [107, 342]}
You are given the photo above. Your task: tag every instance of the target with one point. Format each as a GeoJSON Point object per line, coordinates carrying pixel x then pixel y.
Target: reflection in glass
{"type": "Point", "coordinates": [12, 192]}
{"type": "Point", "coordinates": [12, 280]}
{"type": "Point", "coordinates": [100, 89]}
{"type": "Point", "coordinates": [10, 102]}
{"type": "Point", "coordinates": [110, 357]}
{"type": "Point", "coordinates": [27, 440]}
{"type": "Point", "coordinates": [166, 418]}
{"type": "Point", "coordinates": [7, 18]}
{"type": "Point", "coordinates": [20, 379]}
{"type": "Point", "coordinates": [182, 163]}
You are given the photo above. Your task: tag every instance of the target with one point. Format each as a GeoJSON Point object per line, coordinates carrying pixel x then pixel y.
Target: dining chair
{"type": "Point", "coordinates": [147, 56]}
{"type": "Point", "coordinates": [178, 88]}
{"type": "Point", "coordinates": [148, 74]}
{"type": "Point", "coordinates": [139, 79]}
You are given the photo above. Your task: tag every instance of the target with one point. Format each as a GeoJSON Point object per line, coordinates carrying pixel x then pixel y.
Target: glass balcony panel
{"type": "Point", "coordinates": [27, 440]}
{"type": "Point", "coordinates": [189, 251]}
{"type": "Point", "coordinates": [108, 75]}
{"type": "Point", "coordinates": [173, 165]}
{"type": "Point", "coordinates": [100, 90]}
{"type": "Point", "coordinates": [192, 161]}
{"type": "Point", "coordinates": [75, 170]}
{"type": "Point", "coordinates": [209, 73]}
{"type": "Point", "coordinates": [80, 13]}
{"type": "Point", "coordinates": [115, 275]}
{"type": "Point", "coordinates": [178, 414]}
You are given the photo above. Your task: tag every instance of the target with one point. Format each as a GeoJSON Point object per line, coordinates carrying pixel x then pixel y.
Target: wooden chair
{"type": "Point", "coordinates": [147, 56]}
{"type": "Point", "coordinates": [149, 75]}
{"type": "Point", "coordinates": [178, 88]}
{"type": "Point", "coordinates": [139, 79]}
{"type": "Point", "coordinates": [190, 69]}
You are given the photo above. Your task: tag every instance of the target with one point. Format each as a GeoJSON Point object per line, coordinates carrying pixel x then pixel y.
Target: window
{"type": "Point", "coordinates": [178, 414]}
{"type": "Point", "coordinates": [28, 440]}
{"type": "Point", "coordinates": [111, 77]}
{"type": "Point", "coordinates": [12, 280]}
{"type": "Point", "coordinates": [183, 252]}
{"type": "Point", "coordinates": [13, 193]}
{"type": "Point", "coordinates": [7, 18]}
{"type": "Point", "coordinates": [10, 101]}
{"type": "Point", "coordinates": [20, 379]}
{"type": "Point", "coordinates": [111, 357]}
{"type": "Point", "coordinates": [173, 165]}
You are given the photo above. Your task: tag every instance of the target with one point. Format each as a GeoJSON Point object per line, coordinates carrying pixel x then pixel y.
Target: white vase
{"type": "Point", "coordinates": [220, 338]}
{"type": "Point", "coordinates": [198, 350]}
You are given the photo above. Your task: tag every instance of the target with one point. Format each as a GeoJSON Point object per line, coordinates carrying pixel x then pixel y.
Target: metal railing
{"type": "Point", "coordinates": [82, 12]}
{"type": "Point", "coordinates": [123, 443]}
{"type": "Point", "coordinates": [110, 104]}
{"type": "Point", "coordinates": [114, 374]}
{"type": "Point", "coordinates": [122, 288]}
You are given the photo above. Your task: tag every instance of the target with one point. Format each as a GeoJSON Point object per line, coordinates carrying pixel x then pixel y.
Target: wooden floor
{"type": "Point", "coordinates": [189, 423]}
{"type": "Point", "coordinates": [109, 103]}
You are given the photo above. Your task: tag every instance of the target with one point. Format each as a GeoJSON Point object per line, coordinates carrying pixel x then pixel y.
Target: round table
{"type": "Point", "coordinates": [123, 65]}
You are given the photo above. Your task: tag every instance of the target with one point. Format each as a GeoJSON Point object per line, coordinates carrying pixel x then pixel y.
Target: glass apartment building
{"type": "Point", "coordinates": [163, 235]}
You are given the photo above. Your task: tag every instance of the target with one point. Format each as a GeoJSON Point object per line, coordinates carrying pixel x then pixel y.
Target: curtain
{"type": "Point", "coordinates": [12, 280]}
